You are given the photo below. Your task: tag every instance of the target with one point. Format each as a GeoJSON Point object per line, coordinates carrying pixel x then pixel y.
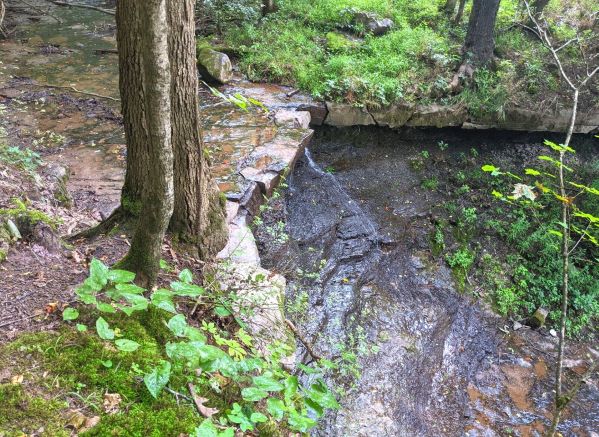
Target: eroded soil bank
{"type": "Point", "coordinates": [361, 273]}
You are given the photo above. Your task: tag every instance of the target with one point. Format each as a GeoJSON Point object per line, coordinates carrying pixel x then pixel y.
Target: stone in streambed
{"type": "Point", "coordinates": [214, 66]}
{"type": "Point", "coordinates": [538, 318]}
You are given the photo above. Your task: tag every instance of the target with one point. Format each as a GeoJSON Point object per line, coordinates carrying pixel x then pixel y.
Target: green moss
{"type": "Point", "coordinates": [21, 413]}
{"type": "Point", "coordinates": [162, 418]}
{"type": "Point", "coordinates": [130, 206]}
{"type": "Point", "coordinates": [31, 216]}
{"type": "Point", "coordinates": [82, 366]}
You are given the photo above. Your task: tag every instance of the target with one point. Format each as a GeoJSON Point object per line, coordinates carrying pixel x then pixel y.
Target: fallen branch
{"type": "Point", "coordinates": [303, 340]}
{"type": "Point", "coordinates": [72, 88]}
{"type": "Point", "coordinates": [79, 5]}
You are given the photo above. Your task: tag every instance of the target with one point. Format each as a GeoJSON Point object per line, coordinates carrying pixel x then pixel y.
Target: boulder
{"type": "Point", "coordinates": [214, 66]}
{"type": "Point", "coordinates": [342, 114]}
{"type": "Point", "coordinates": [318, 112]}
{"type": "Point", "coordinates": [438, 116]}
{"type": "Point", "coordinates": [373, 23]}
{"type": "Point", "coordinates": [394, 116]}
{"type": "Point", "coordinates": [538, 318]}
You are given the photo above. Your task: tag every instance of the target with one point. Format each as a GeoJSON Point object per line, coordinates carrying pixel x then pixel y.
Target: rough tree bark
{"type": "Point", "coordinates": [129, 30]}
{"type": "Point", "coordinates": [158, 196]}
{"type": "Point", "coordinates": [198, 216]}
{"type": "Point", "coordinates": [480, 39]}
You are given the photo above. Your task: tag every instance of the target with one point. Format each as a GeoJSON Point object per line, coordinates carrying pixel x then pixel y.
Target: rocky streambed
{"type": "Point", "coordinates": [361, 277]}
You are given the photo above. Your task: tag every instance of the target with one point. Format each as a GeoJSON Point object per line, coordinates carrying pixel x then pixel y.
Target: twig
{"type": "Point", "coordinates": [72, 88]}
{"type": "Point", "coordinates": [79, 5]}
{"type": "Point", "coordinates": [177, 394]}
{"type": "Point", "coordinates": [303, 340]}
{"type": "Point", "coordinates": [292, 93]}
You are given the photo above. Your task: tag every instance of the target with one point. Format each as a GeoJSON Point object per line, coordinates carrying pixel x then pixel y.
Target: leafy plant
{"type": "Point", "coordinates": [207, 354]}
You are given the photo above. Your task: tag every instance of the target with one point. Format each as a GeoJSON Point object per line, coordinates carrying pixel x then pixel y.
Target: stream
{"type": "Point", "coordinates": [358, 252]}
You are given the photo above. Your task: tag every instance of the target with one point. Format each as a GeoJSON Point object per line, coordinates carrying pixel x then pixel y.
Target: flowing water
{"type": "Point", "coordinates": [440, 366]}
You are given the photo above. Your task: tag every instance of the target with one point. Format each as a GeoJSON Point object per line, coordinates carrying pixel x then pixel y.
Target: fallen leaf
{"type": "Point", "coordinates": [17, 379]}
{"type": "Point", "coordinates": [75, 419]}
{"type": "Point", "coordinates": [90, 422]}
{"type": "Point", "coordinates": [51, 307]}
{"type": "Point", "coordinates": [199, 402]}
{"type": "Point", "coordinates": [112, 402]}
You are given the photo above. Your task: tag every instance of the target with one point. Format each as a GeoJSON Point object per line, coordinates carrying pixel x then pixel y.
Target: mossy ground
{"type": "Point", "coordinates": [68, 369]}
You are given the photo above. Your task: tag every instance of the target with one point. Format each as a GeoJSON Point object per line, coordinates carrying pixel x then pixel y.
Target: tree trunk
{"type": "Point", "coordinates": [129, 34]}
{"type": "Point", "coordinates": [268, 7]}
{"type": "Point", "coordinates": [155, 80]}
{"type": "Point", "coordinates": [449, 6]}
{"type": "Point", "coordinates": [458, 16]}
{"type": "Point", "coordinates": [198, 216]}
{"type": "Point", "coordinates": [480, 39]}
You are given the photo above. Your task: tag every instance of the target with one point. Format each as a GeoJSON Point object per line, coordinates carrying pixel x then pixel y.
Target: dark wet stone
{"type": "Point", "coordinates": [352, 227]}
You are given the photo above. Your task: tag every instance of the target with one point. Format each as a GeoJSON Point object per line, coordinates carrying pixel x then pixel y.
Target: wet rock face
{"type": "Point", "coordinates": [443, 367]}
{"type": "Point", "coordinates": [214, 66]}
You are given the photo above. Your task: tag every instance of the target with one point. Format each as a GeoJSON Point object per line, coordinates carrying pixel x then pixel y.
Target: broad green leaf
{"type": "Point", "coordinates": [207, 429]}
{"type": "Point", "coordinates": [253, 394]}
{"type": "Point", "coordinates": [98, 272]}
{"type": "Point", "coordinates": [106, 363]}
{"type": "Point", "coordinates": [130, 288]}
{"type": "Point", "coordinates": [276, 408]}
{"type": "Point", "coordinates": [86, 293]}
{"type": "Point", "coordinates": [532, 172]}
{"type": "Point", "coordinates": [554, 162]}
{"type": "Point", "coordinates": [299, 422]}
{"type": "Point", "coordinates": [70, 314]}
{"type": "Point", "coordinates": [104, 331]}
{"type": "Point", "coordinates": [158, 378]}
{"type": "Point", "coordinates": [194, 334]}
{"type": "Point", "coordinates": [490, 169]}
{"type": "Point", "coordinates": [186, 276]}
{"type": "Point", "coordinates": [126, 345]}
{"type": "Point", "coordinates": [553, 232]}
{"type": "Point", "coordinates": [105, 307]}
{"type": "Point", "coordinates": [121, 276]}
{"type": "Point", "coordinates": [188, 290]}
{"type": "Point", "coordinates": [177, 325]}
{"type": "Point", "coordinates": [163, 299]}
{"type": "Point", "coordinates": [221, 311]}
{"type": "Point", "coordinates": [291, 385]}
{"type": "Point", "coordinates": [267, 383]}
{"type": "Point", "coordinates": [324, 398]}
{"type": "Point", "coordinates": [258, 417]}
{"type": "Point", "coordinates": [81, 328]}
